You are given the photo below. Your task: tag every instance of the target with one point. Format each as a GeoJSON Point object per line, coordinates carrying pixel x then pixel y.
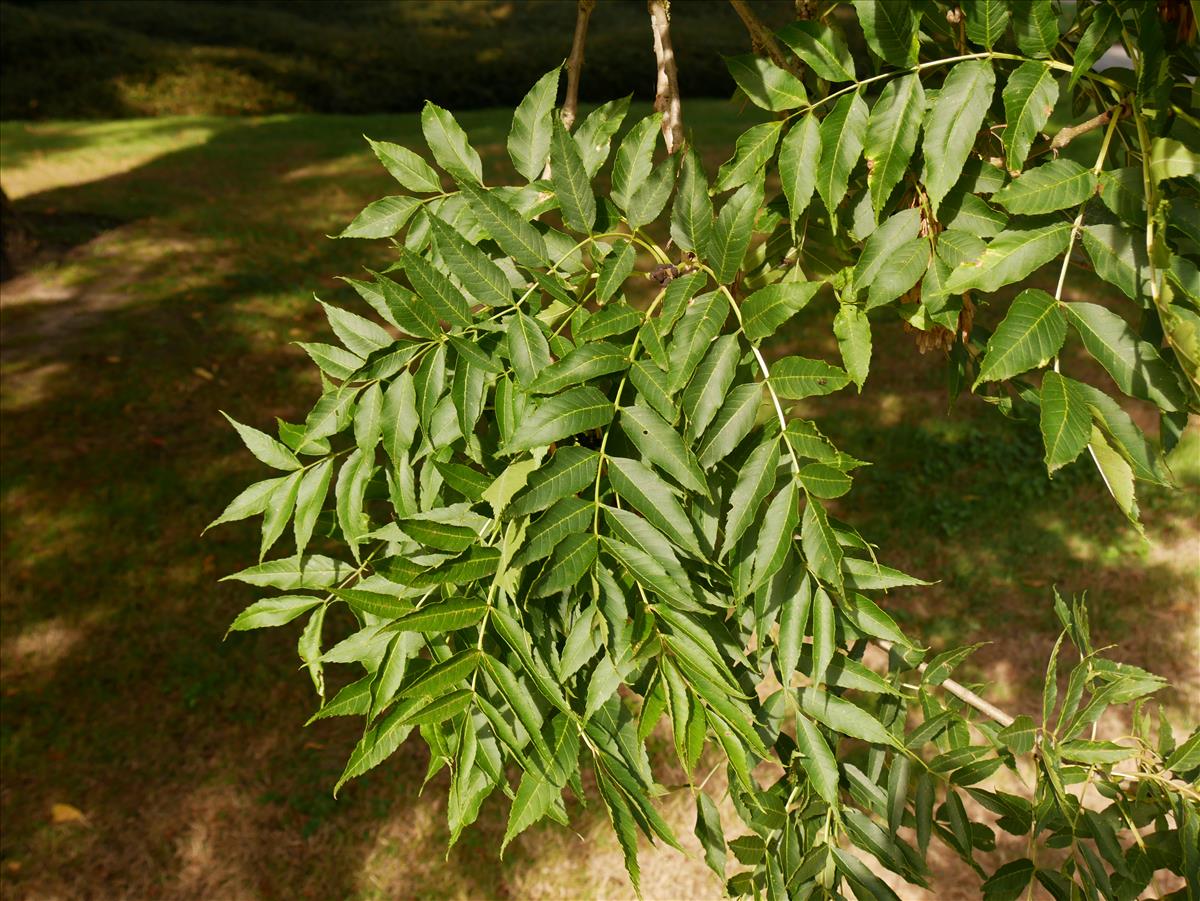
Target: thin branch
{"type": "Point", "coordinates": [575, 61]}
{"type": "Point", "coordinates": [963, 693]}
{"type": "Point", "coordinates": [666, 97]}
{"type": "Point", "coordinates": [761, 38]}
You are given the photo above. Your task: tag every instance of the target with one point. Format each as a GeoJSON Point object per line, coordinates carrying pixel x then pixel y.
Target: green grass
{"type": "Point", "coordinates": [186, 752]}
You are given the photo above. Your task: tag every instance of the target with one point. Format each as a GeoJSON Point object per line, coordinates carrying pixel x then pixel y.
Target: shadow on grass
{"type": "Point", "coordinates": [185, 753]}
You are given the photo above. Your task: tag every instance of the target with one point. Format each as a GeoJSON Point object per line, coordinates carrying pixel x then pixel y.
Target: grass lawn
{"type": "Point", "coordinates": [182, 256]}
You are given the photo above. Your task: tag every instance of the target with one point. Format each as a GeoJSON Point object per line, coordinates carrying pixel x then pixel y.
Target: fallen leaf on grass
{"type": "Point", "coordinates": [66, 813]}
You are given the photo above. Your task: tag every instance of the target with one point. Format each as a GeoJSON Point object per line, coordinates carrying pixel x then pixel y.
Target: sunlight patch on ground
{"type": "Point", "coordinates": [89, 151]}
{"type": "Point", "coordinates": [39, 647]}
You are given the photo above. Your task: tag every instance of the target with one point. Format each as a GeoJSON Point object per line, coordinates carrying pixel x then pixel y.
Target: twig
{"type": "Point", "coordinates": [575, 61]}
{"type": "Point", "coordinates": [1067, 135]}
{"type": "Point", "coordinates": [761, 38]}
{"type": "Point", "coordinates": [666, 98]}
{"type": "Point", "coordinates": [963, 693]}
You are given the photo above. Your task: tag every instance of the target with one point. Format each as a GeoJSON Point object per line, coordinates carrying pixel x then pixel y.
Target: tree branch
{"type": "Point", "coordinates": [761, 38]}
{"type": "Point", "coordinates": [666, 98]}
{"type": "Point", "coordinates": [575, 61]}
{"type": "Point", "coordinates": [963, 693]}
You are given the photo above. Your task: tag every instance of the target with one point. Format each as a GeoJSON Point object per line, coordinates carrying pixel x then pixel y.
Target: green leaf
{"type": "Point", "coordinates": [388, 606]}
{"type": "Point", "coordinates": [1122, 191]}
{"type": "Point", "coordinates": [731, 234]}
{"type": "Point", "coordinates": [1029, 99]}
{"type": "Point", "coordinates": [310, 498]}
{"type": "Point", "coordinates": [570, 470]}
{"type": "Point", "coordinates": [477, 272]}
{"type": "Point", "coordinates": [1010, 881]}
{"type": "Point", "coordinates": [634, 160]}
{"type": "Point", "coordinates": [891, 139]}
{"type": "Point", "coordinates": [755, 481]}
{"type": "Point", "coordinates": [624, 825]}
{"type": "Point", "coordinates": [1035, 25]}
{"type": "Point", "coordinates": [561, 416]}
{"type": "Point", "coordinates": [896, 230]}
{"type": "Point", "coordinates": [866, 575]}
{"type": "Point", "coordinates": [1065, 420]}
{"type": "Point", "coordinates": [1020, 736]}
{"type": "Point", "coordinates": [436, 290]}
{"type": "Point", "coordinates": [350, 492]}
{"type": "Point", "coordinates": [1104, 28]}
{"type": "Point", "coordinates": [358, 334]}
{"type": "Point", "coordinates": [648, 201]}
{"type": "Point", "coordinates": [709, 387]}
{"type": "Point", "coordinates": [775, 535]}
{"type": "Point", "coordinates": [766, 84]}
{"type": "Point", "coordinates": [649, 573]}
{"type": "Point", "coordinates": [821, 549]}
{"type": "Point", "coordinates": [1010, 257]}
{"type": "Point", "coordinates": [449, 144]}
{"type": "Point", "coordinates": [692, 212]}
{"type": "Point", "coordinates": [264, 447]}
{"type": "Point", "coordinates": [572, 558]}
{"type": "Point", "coordinates": [795, 602]}
{"type": "Point", "coordinates": [1144, 457]}
{"type": "Point", "coordinates": [413, 317]}
{"type": "Point", "coordinates": [382, 218]}
{"type": "Point", "coordinates": [824, 635]}
{"type": "Point", "coordinates": [290, 573]}
{"type": "Point", "coordinates": [798, 377]}
{"type": "Point", "coordinates": [754, 149]}
{"type": "Point", "coordinates": [653, 498]}
{"type": "Point", "coordinates": [527, 348]}
{"type": "Point", "coordinates": [250, 502]}
{"type": "Point", "coordinates": [1119, 255]}
{"type": "Point", "coordinates": [710, 833]}
{"type": "Point", "coordinates": [353, 700]}
{"type": "Point", "coordinates": [1052, 186]}
{"type": "Point", "coordinates": [852, 329]}
{"type": "Point", "coordinates": [535, 796]}
{"type": "Point", "coordinates": [442, 676]}
{"type": "Point", "coordinates": [987, 20]}
{"type": "Point", "coordinates": [823, 480]}
{"type": "Point", "coordinates": [890, 28]}
{"type": "Point", "coordinates": [1117, 474]}
{"type": "Point", "coordinates": [508, 228]}
{"type": "Point", "coordinates": [799, 157]}
{"type": "Point", "coordinates": [376, 745]}
{"type": "Point", "coordinates": [952, 123]}
{"type": "Point", "coordinates": [596, 132]}
{"type": "Point", "coordinates": [572, 186]}
{"type": "Point", "coordinates": [905, 267]}
{"type": "Point", "coordinates": [1032, 331]}
{"type": "Point", "coordinates": [969, 213]}
{"type": "Point", "coordinates": [407, 167]}
{"type": "Point", "coordinates": [615, 269]}
{"type": "Point", "coordinates": [443, 536]}
{"type": "Point", "coordinates": [692, 336]}
{"type": "Point", "coordinates": [733, 422]}
{"type": "Point", "coordinates": [1135, 365]}
{"type": "Point", "coordinates": [270, 612]}
{"type": "Point", "coordinates": [585, 362]}
{"type": "Point", "coordinates": [818, 761]}
{"type": "Point", "coordinates": [843, 131]}
{"type": "Point", "coordinates": [821, 48]}
{"type": "Point", "coordinates": [663, 446]}
{"type": "Point", "coordinates": [443, 616]}
{"type": "Point", "coordinates": [770, 307]}
{"type": "Point", "coordinates": [336, 362]}
{"type": "Point", "coordinates": [399, 416]}
{"type": "Point", "coordinates": [566, 516]}
{"type": "Point", "coordinates": [842, 716]}
{"type": "Point", "coordinates": [368, 418]}
{"type": "Point", "coordinates": [1170, 158]}
{"type": "Point", "coordinates": [529, 137]}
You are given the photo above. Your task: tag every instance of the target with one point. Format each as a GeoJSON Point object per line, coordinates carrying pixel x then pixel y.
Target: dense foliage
{"type": "Point", "coordinates": [560, 515]}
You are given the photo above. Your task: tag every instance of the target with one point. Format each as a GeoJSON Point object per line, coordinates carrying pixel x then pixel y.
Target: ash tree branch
{"type": "Point", "coordinates": [666, 97]}
{"type": "Point", "coordinates": [761, 38]}
{"type": "Point", "coordinates": [575, 61]}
